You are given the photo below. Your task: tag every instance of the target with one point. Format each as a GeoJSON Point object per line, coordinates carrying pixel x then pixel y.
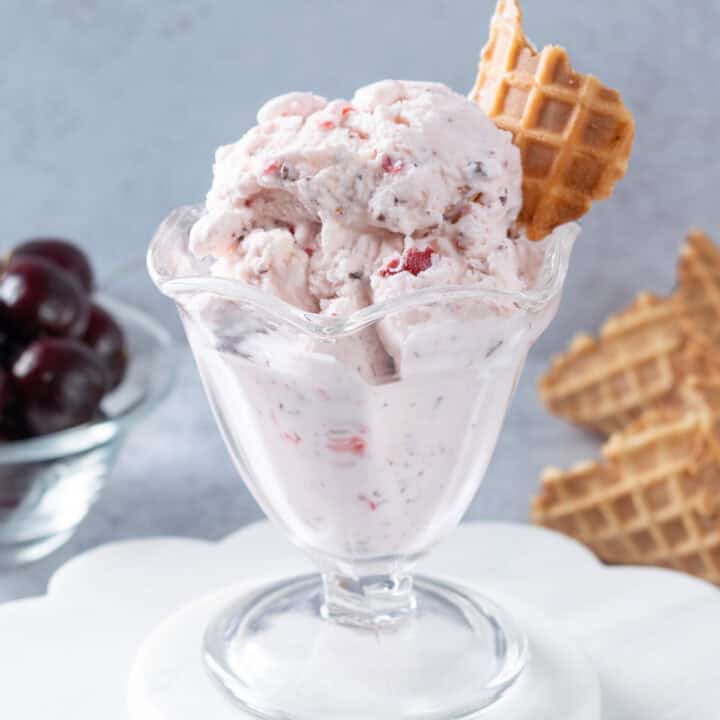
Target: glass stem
{"type": "Point", "coordinates": [371, 601]}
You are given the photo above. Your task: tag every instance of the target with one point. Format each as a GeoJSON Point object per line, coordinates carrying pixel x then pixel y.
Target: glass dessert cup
{"type": "Point", "coordinates": [49, 484]}
{"type": "Point", "coordinates": [365, 439]}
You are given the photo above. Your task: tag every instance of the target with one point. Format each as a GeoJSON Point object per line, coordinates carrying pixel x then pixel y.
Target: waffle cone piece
{"type": "Point", "coordinates": [574, 133]}
{"type": "Point", "coordinates": [643, 354]}
{"type": "Point", "coordinates": [699, 281]}
{"type": "Point", "coordinates": [655, 499]}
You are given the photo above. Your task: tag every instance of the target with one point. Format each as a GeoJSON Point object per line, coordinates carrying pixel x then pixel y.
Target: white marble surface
{"type": "Point", "coordinates": [649, 634]}
{"type": "Point", "coordinates": [110, 112]}
{"type": "Point", "coordinates": [169, 681]}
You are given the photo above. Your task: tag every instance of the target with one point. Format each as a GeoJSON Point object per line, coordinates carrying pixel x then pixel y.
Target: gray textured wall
{"type": "Point", "coordinates": [110, 111]}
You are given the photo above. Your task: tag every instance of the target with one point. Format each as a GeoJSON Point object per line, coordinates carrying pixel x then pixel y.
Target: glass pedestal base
{"type": "Point", "coordinates": [279, 657]}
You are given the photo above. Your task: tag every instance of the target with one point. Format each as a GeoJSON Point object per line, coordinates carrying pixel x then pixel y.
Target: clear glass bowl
{"type": "Point", "coordinates": [365, 438]}
{"type": "Point", "coordinates": [48, 484]}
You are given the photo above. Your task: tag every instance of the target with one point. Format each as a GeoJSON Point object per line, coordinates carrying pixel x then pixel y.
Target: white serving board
{"type": "Point", "coordinates": [170, 682]}
{"type": "Point", "coordinates": [652, 635]}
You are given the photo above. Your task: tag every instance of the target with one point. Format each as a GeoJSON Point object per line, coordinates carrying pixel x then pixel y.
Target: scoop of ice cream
{"type": "Point", "coordinates": [336, 205]}
{"type": "Point", "coordinates": [271, 260]}
{"type": "Point", "coordinates": [511, 267]}
{"type": "Point", "coordinates": [401, 158]}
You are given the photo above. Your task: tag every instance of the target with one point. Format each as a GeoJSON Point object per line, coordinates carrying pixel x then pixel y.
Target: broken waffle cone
{"type": "Point", "coordinates": [646, 352]}
{"type": "Point", "coordinates": [574, 133]}
{"type": "Point", "coordinates": [699, 282]}
{"type": "Point", "coordinates": [655, 500]}
{"type": "Point", "coordinates": [639, 358]}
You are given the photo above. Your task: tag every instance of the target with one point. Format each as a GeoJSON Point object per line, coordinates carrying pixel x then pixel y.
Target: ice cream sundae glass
{"type": "Point", "coordinates": [360, 291]}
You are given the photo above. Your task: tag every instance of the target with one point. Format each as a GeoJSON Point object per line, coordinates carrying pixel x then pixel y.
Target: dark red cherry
{"type": "Point", "coordinates": [63, 254]}
{"type": "Point", "coordinates": [60, 383]}
{"type": "Point", "coordinates": [37, 297]}
{"type": "Point", "coordinates": [7, 392]}
{"type": "Point", "coordinates": [12, 422]}
{"type": "Point", "coordinates": [107, 339]}
{"type": "Point", "coordinates": [11, 343]}
{"type": "Point", "coordinates": [13, 427]}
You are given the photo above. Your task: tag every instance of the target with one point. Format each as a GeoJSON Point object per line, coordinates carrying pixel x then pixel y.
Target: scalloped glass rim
{"type": "Point", "coordinates": [550, 282]}
{"type": "Point", "coordinates": [84, 437]}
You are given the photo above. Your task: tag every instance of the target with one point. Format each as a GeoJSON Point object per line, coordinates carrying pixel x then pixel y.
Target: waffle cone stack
{"type": "Point", "coordinates": [574, 134]}
{"type": "Point", "coordinates": [655, 499]}
{"type": "Point", "coordinates": [652, 378]}
{"type": "Point", "coordinates": [646, 352]}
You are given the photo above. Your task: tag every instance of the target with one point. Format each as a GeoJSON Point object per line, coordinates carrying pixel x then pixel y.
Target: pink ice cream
{"type": "Point", "coordinates": [366, 442]}
{"type": "Point", "coordinates": [333, 206]}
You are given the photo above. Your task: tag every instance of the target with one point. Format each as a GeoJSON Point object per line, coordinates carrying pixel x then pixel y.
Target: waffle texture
{"type": "Point", "coordinates": [644, 353]}
{"type": "Point", "coordinates": [655, 499]}
{"type": "Point", "coordinates": [699, 281]}
{"type": "Point", "coordinates": [575, 134]}
{"type": "Point", "coordinates": [652, 378]}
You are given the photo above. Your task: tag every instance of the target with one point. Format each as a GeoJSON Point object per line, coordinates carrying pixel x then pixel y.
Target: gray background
{"type": "Point", "coordinates": [110, 111]}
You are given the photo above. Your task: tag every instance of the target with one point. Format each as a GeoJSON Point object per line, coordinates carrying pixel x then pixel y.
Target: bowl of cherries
{"type": "Point", "coordinates": [78, 369]}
